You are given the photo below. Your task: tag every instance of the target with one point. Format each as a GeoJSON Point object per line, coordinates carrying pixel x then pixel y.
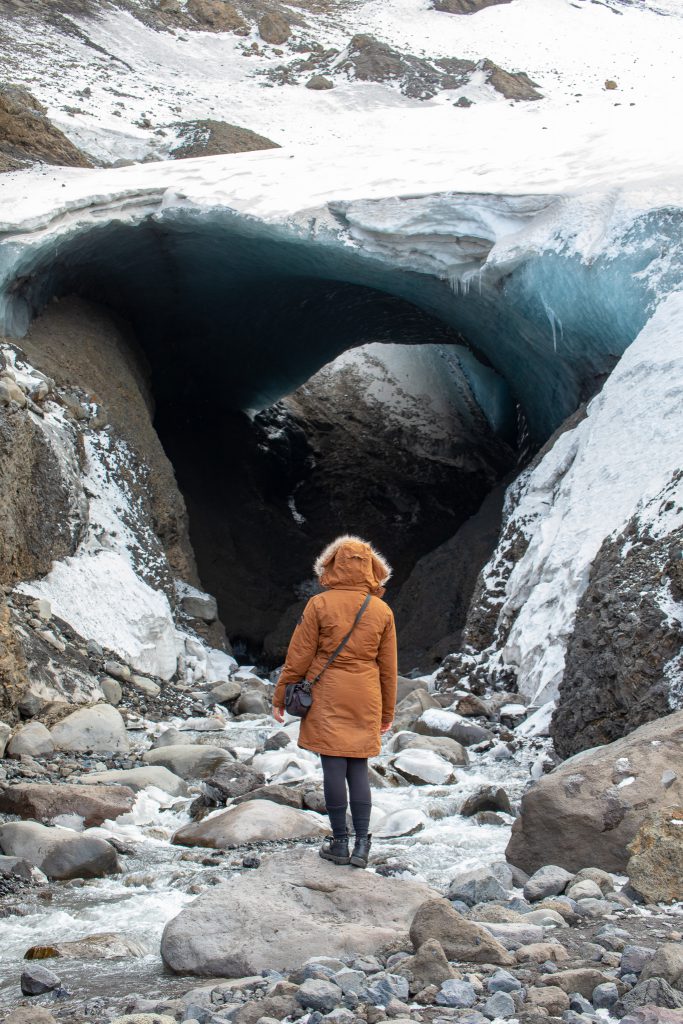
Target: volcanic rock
{"type": "Point", "coordinates": [312, 905]}
{"type": "Point", "coordinates": [579, 815]}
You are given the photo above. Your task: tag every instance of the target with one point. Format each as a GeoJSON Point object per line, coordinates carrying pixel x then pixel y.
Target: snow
{"type": "Point", "coordinates": [595, 478]}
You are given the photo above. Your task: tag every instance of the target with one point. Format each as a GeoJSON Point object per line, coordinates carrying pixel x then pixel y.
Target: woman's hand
{"type": "Point", "coordinates": [279, 714]}
{"type": "Point", "coordinates": [386, 726]}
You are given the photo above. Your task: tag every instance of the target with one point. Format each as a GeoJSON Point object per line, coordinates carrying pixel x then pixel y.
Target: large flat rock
{"type": "Point", "coordinates": [137, 779]}
{"type": "Point", "coordinates": [47, 801]}
{"type": "Point", "coordinates": [60, 853]}
{"type": "Point", "coordinates": [99, 728]}
{"type": "Point", "coordinates": [254, 822]}
{"type": "Point", "coordinates": [294, 906]}
{"type": "Point", "coordinates": [188, 760]}
{"type": "Point", "coordinates": [586, 812]}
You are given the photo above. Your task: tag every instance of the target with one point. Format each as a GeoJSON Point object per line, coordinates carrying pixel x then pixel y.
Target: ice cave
{"type": "Point", "coordinates": [472, 354]}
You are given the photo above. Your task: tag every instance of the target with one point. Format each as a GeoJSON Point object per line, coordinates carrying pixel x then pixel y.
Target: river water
{"type": "Point", "coordinates": [158, 879]}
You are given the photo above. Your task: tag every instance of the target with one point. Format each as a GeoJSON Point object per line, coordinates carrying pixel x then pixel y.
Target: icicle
{"type": "Point", "coordinates": [554, 321]}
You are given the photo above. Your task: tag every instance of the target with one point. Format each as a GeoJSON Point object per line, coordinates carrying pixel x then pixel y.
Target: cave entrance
{"type": "Point", "coordinates": [305, 392]}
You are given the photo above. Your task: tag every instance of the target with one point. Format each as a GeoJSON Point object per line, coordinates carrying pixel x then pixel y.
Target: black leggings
{"type": "Point", "coordinates": [337, 772]}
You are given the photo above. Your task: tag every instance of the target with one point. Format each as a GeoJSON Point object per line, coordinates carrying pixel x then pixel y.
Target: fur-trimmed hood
{"type": "Point", "coordinates": [351, 562]}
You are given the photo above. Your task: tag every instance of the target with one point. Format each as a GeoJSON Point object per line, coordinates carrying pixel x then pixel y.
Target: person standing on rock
{"type": "Point", "coordinates": [355, 696]}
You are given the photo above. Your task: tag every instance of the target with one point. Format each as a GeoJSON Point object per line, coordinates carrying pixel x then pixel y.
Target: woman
{"type": "Point", "coordinates": [354, 699]}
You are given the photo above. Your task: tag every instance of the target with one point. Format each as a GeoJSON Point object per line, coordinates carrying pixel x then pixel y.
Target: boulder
{"type": "Point", "coordinates": [256, 821]}
{"type": "Point", "coordinates": [652, 992]}
{"type": "Point", "coordinates": [582, 980]}
{"type": "Point", "coordinates": [540, 952]}
{"type": "Point", "coordinates": [652, 1015]}
{"type": "Point", "coordinates": [655, 867]}
{"type": "Point", "coordinates": [312, 905]}
{"type": "Point", "coordinates": [409, 710]}
{"type": "Point", "coordinates": [252, 702]}
{"type": "Point", "coordinates": [30, 1015]}
{"type": "Point", "coordinates": [438, 722]}
{"type": "Point", "coordinates": [460, 939]}
{"type": "Point", "coordinates": [280, 1002]}
{"type": "Point", "coordinates": [199, 606]}
{"type": "Point", "coordinates": [137, 779]}
{"type": "Point", "coordinates": [36, 980]}
{"type": "Point", "coordinates": [442, 745]}
{"type": "Point", "coordinates": [33, 739]}
{"type": "Point", "coordinates": [550, 998]}
{"type": "Point", "coordinates": [188, 760]}
{"type": "Point", "coordinates": [104, 946]}
{"type": "Point", "coordinates": [233, 779]}
{"type": "Point", "coordinates": [423, 767]}
{"type": "Point", "coordinates": [5, 733]}
{"type": "Point", "coordinates": [59, 852]}
{"type": "Point", "coordinates": [145, 1018]}
{"type": "Point", "coordinates": [549, 880]}
{"type": "Point", "coordinates": [225, 692]}
{"type": "Point", "coordinates": [486, 798]}
{"type": "Point", "coordinates": [667, 963]}
{"type": "Point", "coordinates": [274, 28]}
{"type": "Point", "coordinates": [429, 966]}
{"type": "Point", "coordinates": [476, 886]}
{"type": "Point", "coordinates": [217, 16]}
{"type": "Point", "coordinates": [97, 728]}
{"type": "Point", "coordinates": [579, 815]}
{"type": "Point", "coordinates": [15, 867]}
{"type": "Point", "coordinates": [275, 792]}
{"type": "Point", "coordinates": [514, 934]}
{"type": "Point", "coordinates": [319, 994]}
{"type": "Point", "coordinates": [46, 801]}
{"type": "Point", "coordinates": [319, 83]}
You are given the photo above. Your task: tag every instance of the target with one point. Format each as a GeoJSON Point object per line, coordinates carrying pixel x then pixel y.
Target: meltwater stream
{"type": "Point", "coordinates": [158, 879]}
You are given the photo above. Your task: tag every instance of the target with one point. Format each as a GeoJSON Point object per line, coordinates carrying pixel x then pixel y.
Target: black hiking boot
{"type": "Point", "coordinates": [336, 849]}
{"type": "Point", "coordinates": [361, 851]}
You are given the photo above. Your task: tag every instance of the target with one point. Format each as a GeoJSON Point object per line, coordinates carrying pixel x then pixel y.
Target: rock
{"type": "Point", "coordinates": [551, 998]}
{"type": "Point", "coordinates": [320, 995]}
{"type": "Point", "coordinates": [542, 951]}
{"type": "Point", "coordinates": [383, 987]}
{"type": "Point", "coordinates": [30, 1015]}
{"type": "Point", "coordinates": [312, 905]}
{"type": "Point", "coordinates": [118, 670]}
{"type": "Point", "coordinates": [170, 737]}
{"type": "Point", "coordinates": [667, 963]}
{"type": "Point", "coordinates": [486, 798]}
{"type": "Point", "coordinates": [450, 749]}
{"type": "Point", "coordinates": [32, 739]}
{"type": "Point", "coordinates": [256, 821]}
{"type": "Point", "coordinates": [111, 690]}
{"type": "Point", "coordinates": [577, 815]}
{"type": "Point", "coordinates": [277, 741]}
{"type": "Point", "coordinates": [460, 939]}
{"type": "Point", "coordinates": [601, 878]}
{"type": "Point", "coordinates": [281, 1002]}
{"type": "Point", "coordinates": [653, 991]}
{"type": "Point", "coordinates": [503, 981]}
{"type": "Point", "coordinates": [5, 733]}
{"type": "Point", "coordinates": [500, 1004]}
{"type": "Point", "coordinates": [428, 966]}
{"type": "Point", "coordinates": [274, 28]}
{"type": "Point", "coordinates": [44, 802]}
{"type": "Point", "coordinates": [59, 853]}
{"type": "Point", "coordinates": [200, 606]}
{"type": "Point", "coordinates": [465, 6]}
{"type": "Point", "coordinates": [15, 867]}
{"type": "Point", "coordinates": [586, 889]}
{"type": "Point", "coordinates": [277, 793]}
{"type": "Point", "coordinates": [251, 702]}
{"type": "Point", "coordinates": [652, 1015]}
{"type": "Point", "coordinates": [605, 996]}
{"type": "Point", "coordinates": [319, 83]}
{"type": "Point", "coordinates": [437, 722]}
{"type": "Point", "coordinates": [147, 1018]}
{"type": "Point", "coordinates": [512, 85]}
{"type": "Point", "coordinates": [97, 728]}
{"type": "Point", "coordinates": [207, 137]}
{"type": "Point", "coordinates": [655, 867]}
{"type": "Point", "coordinates": [546, 918]}
{"type": "Point", "coordinates": [217, 16]}
{"type": "Point", "coordinates": [423, 766]}
{"type": "Point", "coordinates": [26, 133]}
{"type": "Point", "coordinates": [36, 979]}
{"type": "Point", "coordinates": [513, 935]}
{"type": "Point", "coordinates": [634, 958]}
{"type": "Point", "coordinates": [226, 693]}
{"type": "Point", "coordinates": [146, 686]}
{"type": "Point", "coordinates": [476, 886]}
{"type": "Point", "coordinates": [103, 946]}
{"type": "Point", "coordinates": [582, 980]}
{"type": "Point", "coordinates": [409, 710]}
{"type": "Point", "coordinates": [550, 880]}
{"type": "Point", "coordinates": [137, 779]}
{"type": "Point", "coordinates": [456, 993]}
{"type": "Point", "coordinates": [235, 779]}
{"type": "Point", "coordinates": [188, 760]}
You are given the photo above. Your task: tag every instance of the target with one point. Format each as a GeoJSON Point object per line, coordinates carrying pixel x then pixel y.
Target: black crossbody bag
{"type": "Point", "coordinates": [299, 696]}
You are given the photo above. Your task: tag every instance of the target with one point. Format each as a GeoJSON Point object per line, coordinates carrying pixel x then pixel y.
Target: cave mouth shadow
{"type": "Point", "coordinates": [232, 316]}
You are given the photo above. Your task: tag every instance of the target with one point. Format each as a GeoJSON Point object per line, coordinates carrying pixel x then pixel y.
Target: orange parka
{"type": "Point", "coordinates": [356, 695]}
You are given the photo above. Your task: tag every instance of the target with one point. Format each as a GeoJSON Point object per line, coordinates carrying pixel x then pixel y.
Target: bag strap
{"type": "Point", "coordinates": [342, 645]}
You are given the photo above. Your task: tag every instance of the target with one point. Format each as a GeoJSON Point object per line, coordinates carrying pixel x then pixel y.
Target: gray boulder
{"type": "Point", "coordinates": [652, 992]}
{"type": "Point", "coordinates": [429, 966]}
{"type": "Point", "coordinates": [33, 739]}
{"type": "Point", "coordinates": [256, 821]}
{"type": "Point", "coordinates": [189, 760]}
{"type": "Point", "coordinates": [312, 905]}
{"type": "Point", "coordinates": [438, 722]}
{"type": "Point", "coordinates": [486, 798]}
{"type": "Point", "coordinates": [453, 751]}
{"type": "Point", "coordinates": [316, 994]}
{"type": "Point", "coordinates": [235, 779]}
{"type": "Point", "coordinates": [137, 779]}
{"type": "Point", "coordinates": [36, 979]}
{"type": "Point", "coordinates": [578, 815]}
{"type": "Point", "coordinates": [476, 886]}
{"type": "Point", "coordinates": [550, 880]}
{"type": "Point", "coordinates": [59, 853]}
{"type": "Point", "coordinates": [225, 692]}
{"type": "Point", "coordinates": [252, 702]}
{"type": "Point", "coordinates": [16, 867]}
{"type": "Point", "coordinates": [97, 728]}
{"type": "Point", "coordinates": [200, 606]}
{"type": "Point", "coordinates": [456, 993]}
{"type": "Point", "coordinates": [409, 709]}
{"type": "Point", "coordinates": [667, 963]}
{"type": "Point", "coordinates": [46, 801]}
